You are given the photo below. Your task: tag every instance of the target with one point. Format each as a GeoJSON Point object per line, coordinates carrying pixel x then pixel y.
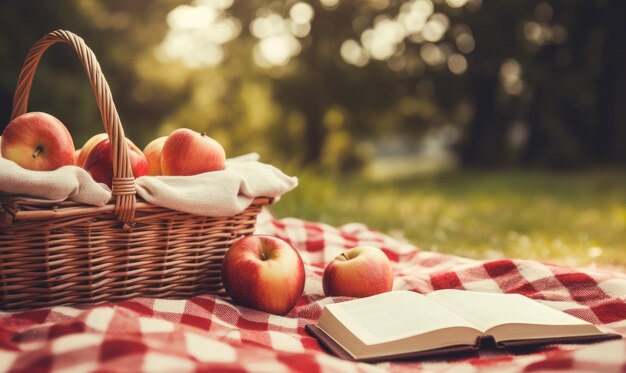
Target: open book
{"type": "Point", "coordinates": [403, 324]}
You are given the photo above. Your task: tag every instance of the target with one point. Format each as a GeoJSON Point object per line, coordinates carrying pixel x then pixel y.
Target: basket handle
{"type": "Point", "coordinates": [123, 186]}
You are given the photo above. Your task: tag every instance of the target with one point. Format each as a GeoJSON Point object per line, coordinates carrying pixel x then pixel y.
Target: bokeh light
{"type": "Point", "coordinates": [278, 36]}
{"type": "Point", "coordinates": [537, 33]}
{"type": "Point", "coordinates": [425, 7]}
{"type": "Point", "coordinates": [198, 32]}
{"type": "Point", "coordinates": [433, 30]}
{"type": "Point", "coordinates": [416, 22]}
{"type": "Point", "coordinates": [457, 64]}
{"type": "Point", "coordinates": [216, 4]}
{"type": "Point", "coordinates": [456, 3]}
{"type": "Point", "coordinates": [329, 4]}
{"type": "Point", "coordinates": [465, 42]}
{"type": "Point", "coordinates": [412, 21]}
{"type": "Point", "coordinates": [352, 53]}
{"type": "Point", "coordinates": [432, 54]}
{"type": "Point", "coordinates": [511, 77]}
{"type": "Point", "coordinates": [278, 49]}
{"type": "Point", "coordinates": [299, 30]}
{"type": "Point", "coordinates": [301, 13]}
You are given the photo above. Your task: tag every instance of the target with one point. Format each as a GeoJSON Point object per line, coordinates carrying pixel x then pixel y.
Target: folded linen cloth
{"type": "Point", "coordinates": [65, 182]}
{"type": "Point", "coordinates": [218, 193]}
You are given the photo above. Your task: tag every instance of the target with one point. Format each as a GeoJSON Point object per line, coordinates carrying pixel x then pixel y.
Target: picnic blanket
{"type": "Point", "coordinates": [206, 333]}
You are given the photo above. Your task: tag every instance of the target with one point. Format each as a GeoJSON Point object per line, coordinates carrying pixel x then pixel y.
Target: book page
{"type": "Point", "coordinates": [487, 310]}
{"type": "Point", "coordinates": [394, 315]}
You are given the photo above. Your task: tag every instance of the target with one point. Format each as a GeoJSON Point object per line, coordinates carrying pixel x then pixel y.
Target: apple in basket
{"type": "Point", "coordinates": [83, 153]}
{"type": "Point", "coordinates": [152, 151]}
{"type": "Point", "coordinates": [263, 272]}
{"type": "Point", "coordinates": [187, 152]}
{"type": "Point", "coordinates": [37, 141]}
{"type": "Point", "coordinates": [99, 162]}
{"type": "Point", "coordinates": [359, 272]}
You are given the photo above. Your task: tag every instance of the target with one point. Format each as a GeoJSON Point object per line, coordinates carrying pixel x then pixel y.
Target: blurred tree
{"type": "Point", "coordinates": [611, 109]}
{"type": "Point", "coordinates": [316, 82]}
{"type": "Point", "coordinates": [566, 109]}
{"type": "Point", "coordinates": [122, 35]}
{"type": "Point", "coordinates": [484, 142]}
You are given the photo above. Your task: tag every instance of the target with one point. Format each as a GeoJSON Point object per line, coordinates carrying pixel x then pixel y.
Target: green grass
{"type": "Point", "coordinates": [574, 219]}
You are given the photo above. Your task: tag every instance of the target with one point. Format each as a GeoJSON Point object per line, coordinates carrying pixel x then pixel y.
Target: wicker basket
{"type": "Point", "coordinates": [64, 253]}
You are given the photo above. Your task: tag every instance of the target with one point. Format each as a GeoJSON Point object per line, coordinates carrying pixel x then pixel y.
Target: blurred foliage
{"type": "Point", "coordinates": [506, 83]}
{"type": "Point", "coordinates": [575, 219]}
{"type": "Point", "coordinates": [116, 34]}
{"type": "Point", "coordinates": [513, 83]}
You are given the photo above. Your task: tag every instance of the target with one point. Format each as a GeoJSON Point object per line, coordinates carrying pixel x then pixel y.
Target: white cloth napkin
{"type": "Point", "coordinates": [219, 193]}
{"type": "Point", "coordinates": [65, 182]}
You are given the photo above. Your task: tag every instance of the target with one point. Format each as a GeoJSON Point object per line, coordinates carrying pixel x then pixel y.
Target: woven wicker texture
{"type": "Point", "coordinates": [62, 253]}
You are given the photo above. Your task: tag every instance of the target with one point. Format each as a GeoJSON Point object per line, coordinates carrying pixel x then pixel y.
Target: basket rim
{"type": "Point", "coordinates": [11, 209]}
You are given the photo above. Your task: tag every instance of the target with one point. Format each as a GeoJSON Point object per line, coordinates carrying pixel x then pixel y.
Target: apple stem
{"type": "Point", "coordinates": [345, 256]}
{"type": "Point", "coordinates": [203, 133]}
{"type": "Point", "coordinates": [37, 151]}
{"type": "Point", "coordinates": [263, 257]}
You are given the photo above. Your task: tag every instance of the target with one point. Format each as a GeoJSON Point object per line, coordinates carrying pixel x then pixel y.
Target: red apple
{"type": "Point", "coordinates": [359, 272]}
{"type": "Point", "coordinates": [88, 147]}
{"type": "Point", "coordinates": [99, 162]}
{"type": "Point", "coordinates": [152, 151]}
{"type": "Point", "coordinates": [188, 152]}
{"type": "Point", "coordinates": [38, 141]}
{"type": "Point", "coordinates": [263, 272]}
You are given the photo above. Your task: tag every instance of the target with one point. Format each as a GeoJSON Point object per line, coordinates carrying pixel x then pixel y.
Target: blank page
{"type": "Point", "coordinates": [486, 310]}
{"type": "Point", "coordinates": [394, 315]}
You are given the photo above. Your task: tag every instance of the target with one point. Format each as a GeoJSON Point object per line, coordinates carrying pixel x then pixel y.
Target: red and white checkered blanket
{"type": "Point", "coordinates": [208, 333]}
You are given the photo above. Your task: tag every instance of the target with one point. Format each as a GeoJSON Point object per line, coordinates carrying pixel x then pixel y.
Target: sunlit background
{"type": "Point", "coordinates": [377, 93]}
